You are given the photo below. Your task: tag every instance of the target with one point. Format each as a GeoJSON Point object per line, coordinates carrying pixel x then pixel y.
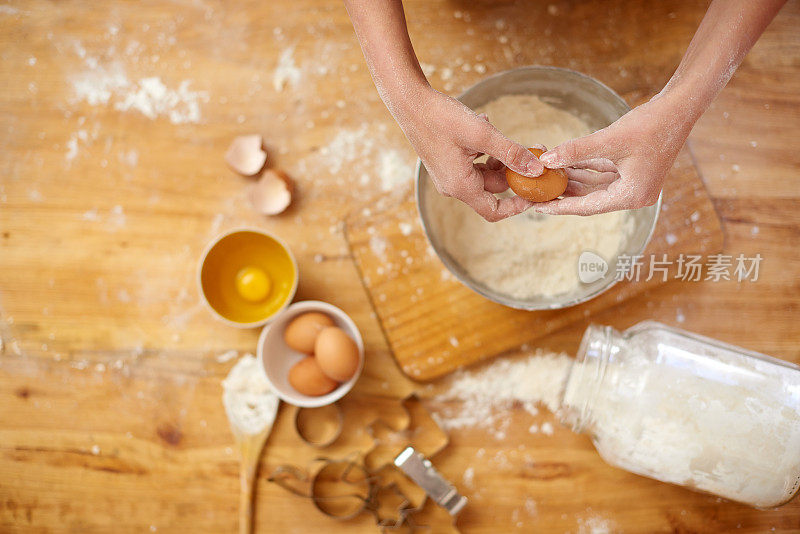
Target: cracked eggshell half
{"type": "Point", "coordinates": [272, 194]}
{"type": "Point", "coordinates": [246, 154]}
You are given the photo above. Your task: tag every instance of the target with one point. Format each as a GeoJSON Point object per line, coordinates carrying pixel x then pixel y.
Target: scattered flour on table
{"type": "Point", "coordinates": [393, 171]}
{"type": "Point", "coordinates": [378, 246]}
{"type": "Point", "coordinates": [107, 84]}
{"type": "Point", "coordinates": [72, 144]}
{"type": "Point", "coordinates": [153, 99]}
{"type": "Point", "coordinates": [531, 507]}
{"type": "Point", "coordinates": [149, 96]}
{"type": "Point", "coordinates": [347, 147]}
{"type": "Point", "coordinates": [114, 220]}
{"type": "Point", "coordinates": [130, 157]}
{"type": "Point", "coordinates": [249, 402]}
{"type": "Point", "coordinates": [486, 394]}
{"type": "Point", "coordinates": [671, 238]}
{"type": "Point", "coordinates": [97, 84]}
{"type": "Point", "coordinates": [286, 72]}
{"type": "Point", "coordinates": [531, 254]}
{"type": "Point", "coordinates": [358, 153]}
{"type": "Point", "coordinates": [117, 217]}
{"type": "Point", "coordinates": [595, 524]}
{"type": "Point", "coordinates": [226, 356]}
{"type": "Point", "coordinates": [469, 477]}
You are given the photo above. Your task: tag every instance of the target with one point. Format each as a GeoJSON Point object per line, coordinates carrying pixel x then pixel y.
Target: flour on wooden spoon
{"type": "Point", "coordinates": [249, 402]}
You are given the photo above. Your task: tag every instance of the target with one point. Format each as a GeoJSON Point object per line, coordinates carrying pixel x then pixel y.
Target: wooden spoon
{"type": "Point", "coordinates": [250, 447]}
{"type": "Point", "coordinates": [251, 408]}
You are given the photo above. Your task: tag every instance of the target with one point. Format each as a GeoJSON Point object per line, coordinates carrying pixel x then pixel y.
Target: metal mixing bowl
{"type": "Point", "coordinates": [594, 103]}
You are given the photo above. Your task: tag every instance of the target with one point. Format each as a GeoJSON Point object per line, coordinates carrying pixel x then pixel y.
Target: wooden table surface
{"type": "Point", "coordinates": [114, 117]}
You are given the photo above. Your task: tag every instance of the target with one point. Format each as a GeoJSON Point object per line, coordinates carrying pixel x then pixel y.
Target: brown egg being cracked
{"type": "Point", "coordinates": [548, 186]}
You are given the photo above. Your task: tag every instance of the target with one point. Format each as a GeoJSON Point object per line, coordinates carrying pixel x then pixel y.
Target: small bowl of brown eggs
{"type": "Point", "coordinates": [312, 354]}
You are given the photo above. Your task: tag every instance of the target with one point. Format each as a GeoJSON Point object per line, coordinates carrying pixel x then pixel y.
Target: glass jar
{"type": "Point", "coordinates": [689, 410]}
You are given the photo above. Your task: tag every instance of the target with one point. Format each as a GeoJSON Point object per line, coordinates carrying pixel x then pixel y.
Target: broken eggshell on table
{"type": "Point", "coordinates": [246, 155]}
{"type": "Point", "coordinates": [273, 192]}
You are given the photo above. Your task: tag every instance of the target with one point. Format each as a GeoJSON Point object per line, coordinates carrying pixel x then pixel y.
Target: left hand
{"type": "Point", "coordinates": [622, 166]}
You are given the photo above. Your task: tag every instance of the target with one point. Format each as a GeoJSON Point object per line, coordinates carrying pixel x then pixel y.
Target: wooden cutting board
{"type": "Point", "coordinates": [434, 324]}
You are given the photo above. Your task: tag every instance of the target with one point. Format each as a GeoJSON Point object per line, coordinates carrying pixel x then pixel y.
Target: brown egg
{"type": "Point", "coordinates": [308, 379]}
{"type": "Point", "coordinates": [550, 185]}
{"type": "Point", "coordinates": [336, 354]}
{"type": "Point", "coordinates": [301, 333]}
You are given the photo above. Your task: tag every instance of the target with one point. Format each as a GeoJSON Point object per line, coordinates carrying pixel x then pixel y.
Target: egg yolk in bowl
{"type": "Point", "coordinates": [248, 277]}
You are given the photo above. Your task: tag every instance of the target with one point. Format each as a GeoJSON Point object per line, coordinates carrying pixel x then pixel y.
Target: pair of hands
{"type": "Point", "coordinates": [622, 166]}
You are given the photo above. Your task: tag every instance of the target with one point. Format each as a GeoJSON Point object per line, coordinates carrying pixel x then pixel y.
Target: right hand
{"type": "Point", "coordinates": [448, 136]}
{"type": "Point", "coordinates": [624, 165]}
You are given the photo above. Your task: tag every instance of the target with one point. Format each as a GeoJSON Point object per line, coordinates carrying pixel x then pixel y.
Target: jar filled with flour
{"type": "Point", "coordinates": [689, 410]}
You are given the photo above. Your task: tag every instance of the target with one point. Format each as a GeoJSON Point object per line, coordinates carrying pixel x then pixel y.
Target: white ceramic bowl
{"type": "Point", "coordinates": [277, 358]}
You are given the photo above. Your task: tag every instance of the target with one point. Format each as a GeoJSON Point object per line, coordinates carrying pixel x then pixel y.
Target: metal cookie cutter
{"type": "Point", "coordinates": [420, 470]}
{"type": "Point", "coordinates": [340, 489]}
{"type": "Point", "coordinates": [319, 427]}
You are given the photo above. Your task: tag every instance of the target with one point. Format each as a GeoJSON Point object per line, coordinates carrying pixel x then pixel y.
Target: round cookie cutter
{"type": "Point", "coordinates": [340, 489]}
{"type": "Point", "coordinates": [321, 426]}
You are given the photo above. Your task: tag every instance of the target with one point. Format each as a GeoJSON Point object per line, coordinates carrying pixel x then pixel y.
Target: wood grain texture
{"type": "Point", "coordinates": [110, 409]}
